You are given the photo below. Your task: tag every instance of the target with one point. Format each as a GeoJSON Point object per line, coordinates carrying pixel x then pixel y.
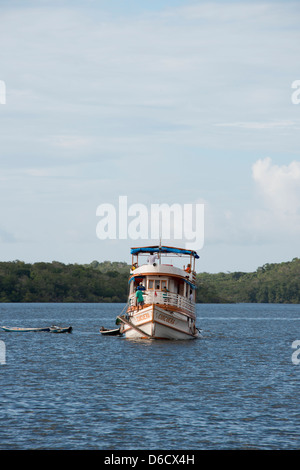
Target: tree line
{"type": "Point", "coordinates": [270, 283]}
{"type": "Point", "coordinates": [108, 282]}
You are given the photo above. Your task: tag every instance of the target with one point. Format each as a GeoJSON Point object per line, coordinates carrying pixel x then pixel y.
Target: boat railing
{"type": "Point", "coordinates": [165, 298]}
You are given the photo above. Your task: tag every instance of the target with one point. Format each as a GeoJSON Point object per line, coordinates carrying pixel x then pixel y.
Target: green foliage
{"type": "Point", "coordinates": [271, 283]}
{"type": "Point", "coordinates": [57, 282]}
{"type": "Point", "coordinates": [108, 282]}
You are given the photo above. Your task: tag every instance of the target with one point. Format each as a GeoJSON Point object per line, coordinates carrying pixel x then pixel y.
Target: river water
{"type": "Point", "coordinates": [237, 387]}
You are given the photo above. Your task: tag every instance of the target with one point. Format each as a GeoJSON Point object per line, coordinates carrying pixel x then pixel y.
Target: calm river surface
{"type": "Point", "coordinates": [235, 388]}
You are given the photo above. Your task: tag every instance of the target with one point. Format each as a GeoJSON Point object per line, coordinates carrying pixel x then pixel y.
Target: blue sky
{"type": "Point", "coordinates": [161, 101]}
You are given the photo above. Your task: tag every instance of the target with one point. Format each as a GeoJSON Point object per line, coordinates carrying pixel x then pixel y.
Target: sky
{"type": "Point", "coordinates": [161, 102]}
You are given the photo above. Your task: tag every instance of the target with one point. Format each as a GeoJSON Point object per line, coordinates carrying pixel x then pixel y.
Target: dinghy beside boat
{"type": "Point", "coordinates": [51, 329]}
{"type": "Point", "coordinates": [112, 332]}
{"type": "Point", "coordinates": [59, 329]}
{"type": "Point", "coordinates": [17, 329]}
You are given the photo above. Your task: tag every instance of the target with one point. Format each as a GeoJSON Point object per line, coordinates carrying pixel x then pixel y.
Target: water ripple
{"type": "Point", "coordinates": [236, 388]}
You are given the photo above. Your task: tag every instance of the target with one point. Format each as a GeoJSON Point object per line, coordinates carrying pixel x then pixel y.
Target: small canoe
{"type": "Point", "coordinates": [59, 329]}
{"type": "Point", "coordinates": [114, 332]}
{"type": "Point", "coordinates": [15, 328]}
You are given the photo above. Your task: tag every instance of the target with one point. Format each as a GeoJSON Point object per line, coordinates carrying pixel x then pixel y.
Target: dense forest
{"type": "Point", "coordinates": [108, 282]}
{"type": "Point", "coordinates": [58, 282]}
{"type": "Point", "coordinates": [270, 283]}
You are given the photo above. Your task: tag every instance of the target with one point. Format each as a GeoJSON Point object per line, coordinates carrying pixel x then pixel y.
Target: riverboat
{"type": "Point", "coordinates": [162, 297]}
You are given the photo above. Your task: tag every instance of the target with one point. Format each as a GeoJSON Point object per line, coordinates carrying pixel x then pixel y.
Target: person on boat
{"type": "Point", "coordinates": [165, 294]}
{"type": "Point", "coordinates": [141, 287]}
{"type": "Point", "coordinates": [152, 258]}
{"type": "Point", "coordinates": [140, 299]}
{"type": "Point", "coordinates": [188, 269]}
{"type": "Point", "coordinates": [134, 266]}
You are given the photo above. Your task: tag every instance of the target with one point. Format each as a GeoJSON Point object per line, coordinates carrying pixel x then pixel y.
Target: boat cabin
{"type": "Point", "coordinates": [160, 281]}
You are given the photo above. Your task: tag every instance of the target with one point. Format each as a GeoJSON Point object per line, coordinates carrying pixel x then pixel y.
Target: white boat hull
{"type": "Point", "coordinates": [153, 322]}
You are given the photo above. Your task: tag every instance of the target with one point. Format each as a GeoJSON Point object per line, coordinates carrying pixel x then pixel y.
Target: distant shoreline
{"type": "Point", "coordinates": [107, 282]}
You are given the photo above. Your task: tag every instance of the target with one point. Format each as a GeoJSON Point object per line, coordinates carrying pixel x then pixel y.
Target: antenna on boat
{"type": "Point", "coordinates": [160, 249]}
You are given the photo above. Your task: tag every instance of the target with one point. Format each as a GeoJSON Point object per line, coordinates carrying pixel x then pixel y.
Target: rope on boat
{"type": "Point", "coordinates": [118, 316]}
{"type": "Point", "coordinates": [127, 322]}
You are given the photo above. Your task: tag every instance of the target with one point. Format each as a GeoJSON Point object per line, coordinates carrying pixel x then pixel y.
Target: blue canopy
{"type": "Point", "coordinates": [193, 286]}
{"type": "Point", "coordinates": [163, 249]}
{"type": "Point", "coordinates": [133, 277]}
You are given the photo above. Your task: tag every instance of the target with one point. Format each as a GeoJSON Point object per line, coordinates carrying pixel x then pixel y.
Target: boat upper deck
{"type": "Point", "coordinates": [162, 282]}
{"type": "Point", "coordinates": [157, 255]}
{"type": "Point", "coordinates": [162, 270]}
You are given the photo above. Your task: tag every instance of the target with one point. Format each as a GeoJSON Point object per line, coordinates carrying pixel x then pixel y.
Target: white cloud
{"type": "Point", "coordinates": [279, 186]}
{"type": "Point", "coordinates": [70, 141]}
{"type": "Point", "coordinates": [195, 64]}
{"type": "Point", "coordinates": [95, 100]}
{"type": "Point", "coordinates": [271, 216]}
{"type": "Point", "coordinates": [262, 125]}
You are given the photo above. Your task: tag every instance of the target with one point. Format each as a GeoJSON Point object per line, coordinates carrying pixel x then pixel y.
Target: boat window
{"type": "Point", "coordinates": [181, 288]}
{"type": "Point", "coordinates": [157, 284]}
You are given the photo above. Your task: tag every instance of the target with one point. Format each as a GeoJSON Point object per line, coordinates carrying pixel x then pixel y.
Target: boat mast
{"type": "Point", "coordinates": [159, 250]}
